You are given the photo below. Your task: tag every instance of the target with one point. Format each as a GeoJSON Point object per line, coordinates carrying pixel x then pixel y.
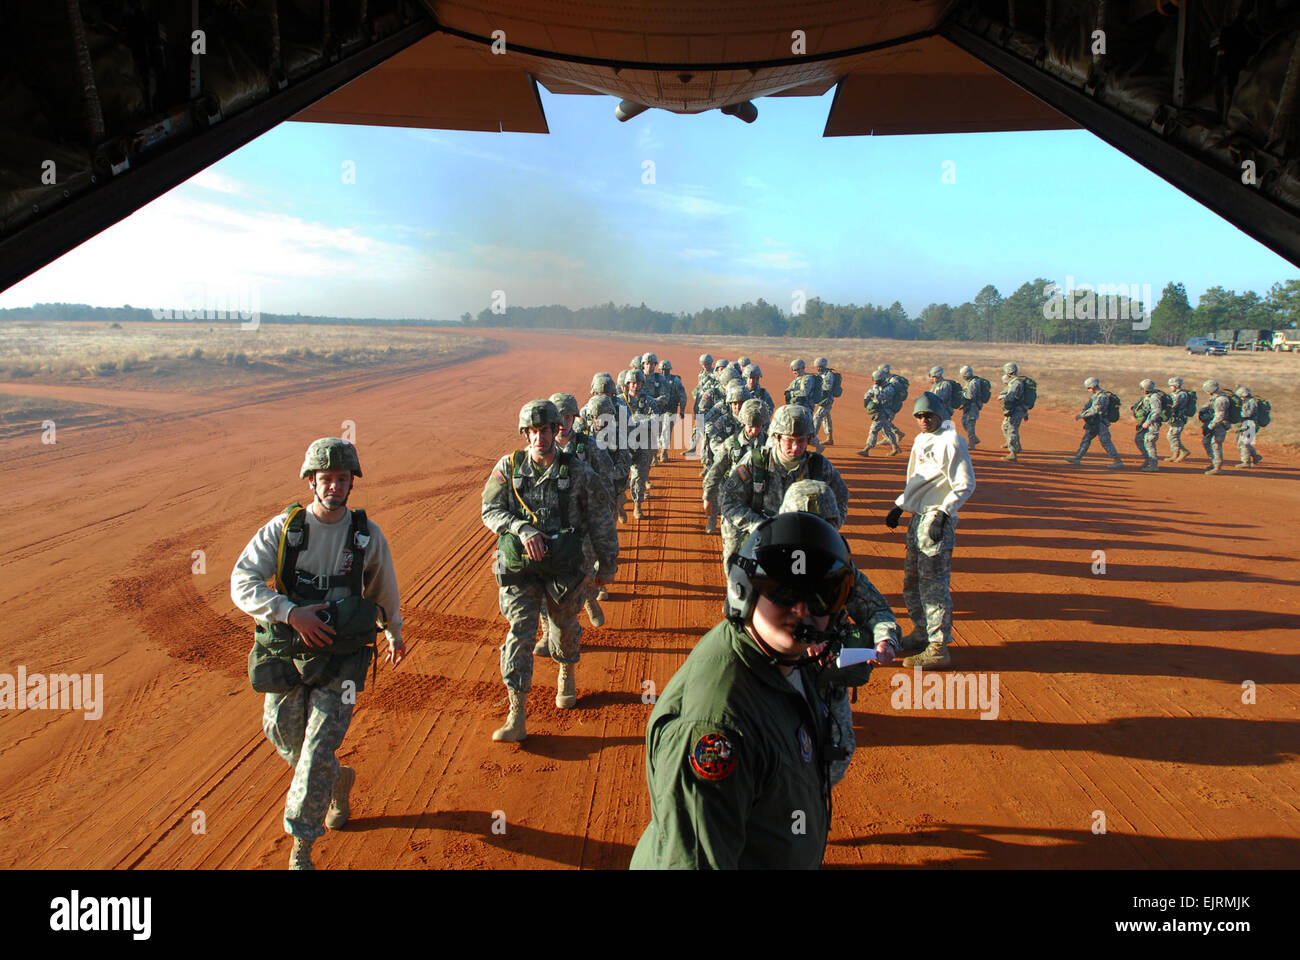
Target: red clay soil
{"type": "Point", "coordinates": [1121, 693]}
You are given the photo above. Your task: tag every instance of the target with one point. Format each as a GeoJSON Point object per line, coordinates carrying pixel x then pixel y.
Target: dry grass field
{"type": "Point", "coordinates": [1060, 370]}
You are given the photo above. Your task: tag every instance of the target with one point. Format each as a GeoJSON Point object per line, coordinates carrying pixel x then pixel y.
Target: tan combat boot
{"type": "Point", "coordinates": [1150, 467]}
{"type": "Point", "coordinates": [935, 655]}
{"type": "Point", "coordinates": [594, 613]}
{"type": "Point", "coordinates": [566, 697]}
{"type": "Point", "coordinates": [895, 449]}
{"type": "Point", "coordinates": [1216, 468]}
{"type": "Point", "coordinates": [602, 594]}
{"type": "Point", "coordinates": [1010, 458]}
{"type": "Point", "coordinates": [300, 855]}
{"type": "Point", "coordinates": [1115, 465]}
{"type": "Point", "coordinates": [340, 810]}
{"type": "Point", "coordinates": [514, 729]}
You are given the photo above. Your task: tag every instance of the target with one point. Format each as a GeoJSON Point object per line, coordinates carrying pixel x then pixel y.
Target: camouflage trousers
{"type": "Point", "coordinates": [1146, 439]}
{"type": "Point", "coordinates": [1011, 428]}
{"type": "Point", "coordinates": [306, 726]}
{"type": "Point", "coordinates": [968, 420]}
{"type": "Point", "coordinates": [1175, 435]}
{"type": "Point", "coordinates": [822, 414]}
{"type": "Point", "coordinates": [666, 430]}
{"type": "Point", "coordinates": [927, 571]}
{"type": "Point", "coordinates": [842, 717]}
{"type": "Point", "coordinates": [1098, 429]}
{"type": "Point", "coordinates": [640, 473]}
{"type": "Point", "coordinates": [882, 420]}
{"type": "Point", "coordinates": [1213, 443]}
{"type": "Point", "coordinates": [732, 538]}
{"type": "Point", "coordinates": [522, 606]}
{"type": "Point", "coordinates": [1246, 445]}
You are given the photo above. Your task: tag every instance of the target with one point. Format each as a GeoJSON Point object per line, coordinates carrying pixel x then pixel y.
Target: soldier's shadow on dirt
{"type": "Point", "coordinates": [985, 845]}
{"type": "Point", "coordinates": [1214, 741]}
{"type": "Point", "coordinates": [561, 848]}
{"type": "Point", "coordinates": [1145, 659]}
{"type": "Point", "coordinates": [1112, 611]}
{"type": "Point", "coordinates": [1081, 569]}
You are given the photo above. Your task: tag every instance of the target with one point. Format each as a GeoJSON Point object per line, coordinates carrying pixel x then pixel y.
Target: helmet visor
{"type": "Point", "coordinates": [788, 575]}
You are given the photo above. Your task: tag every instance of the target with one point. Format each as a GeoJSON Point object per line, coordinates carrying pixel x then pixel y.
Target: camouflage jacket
{"type": "Point", "coordinates": [878, 399]}
{"type": "Point", "coordinates": [808, 386]}
{"type": "Point", "coordinates": [1148, 411]}
{"type": "Point", "coordinates": [740, 494]}
{"type": "Point", "coordinates": [589, 507]}
{"type": "Point", "coordinates": [969, 403]}
{"type": "Point", "coordinates": [584, 446]}
{"type": "Point", "coordinates": [1096, 407]}
{"type": "Point", "coordinates": [659, 387]}
{"type": "Point", "coordinates": [729, 453]}
{"type": "Point", "coordinates": [761, 394]}
{"type": "Point", "coordinates": [868, 608]}
{"type": "Point", "coordinates": [1219, 404]}
{"type": "Point", "coordinates": [1013, 396]}
{"type": "Point", "coordinates": [949, 394]}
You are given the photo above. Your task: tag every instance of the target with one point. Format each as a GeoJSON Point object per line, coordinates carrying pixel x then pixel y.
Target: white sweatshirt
{"type": "Point", "coordinates": [939, 473]}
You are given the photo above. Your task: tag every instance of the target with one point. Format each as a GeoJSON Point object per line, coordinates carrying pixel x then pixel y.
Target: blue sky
{"type": "Point", "coordinates": [369, 221]}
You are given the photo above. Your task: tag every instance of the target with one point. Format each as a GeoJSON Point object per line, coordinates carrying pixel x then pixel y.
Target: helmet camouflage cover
{"type": "Point", "coordinates": [736, 392]}
{"type": "Point", "coordinates": [538, 413]}
{"type": "Point", "coordinates": [566, 403]}
{"type": "Point", "coordinates": [967, 372]}
{"type": "Point", "coordinates": [753, 372]}
{"type": "Point", "coordinates": [637, 375]}
{"type": "Point", "coordinates": [822, 362]}
{"type": "Point", "coordinates": [1147, 385]}
{"type": "Point", "coordinates": [1010, 368]}
{"type": "Point", "coordinates": [331, 453]}
{"type": "Point", "coordinates": [706, 359]}
{"type": "Point", "coordinates": [753, 413]}
{"type": "Point", "coordinates": [812, 496]}
{"type": "Point", "coordinates": [599, 406]}
{"type": "Point", "coordinates": [936, 371]}
{"type": "Point", "coordinates": [1176, 382]}
{"type": "Point", "coordinates": [797, 365]}
{"type": "Point", "coordinates": [792, 420]}
{"type": "Point", "coordinates": [666, 366]}
{"type": "Point", "coordinates": [649, 358]}
{"type": "Point", "coordinates": [1210, 386]}
{"type": "Point", "coordinates": [602, 383]}
{"type": "Point", "coordinates": [1092, 383]}
{"type": "Point", "coordinates": [1243, 391]}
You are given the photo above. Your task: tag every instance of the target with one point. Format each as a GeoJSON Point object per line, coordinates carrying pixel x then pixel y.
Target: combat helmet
{"type": "Point", "coordinates": [792, 420]}
{"type": "Point", "coordinates": [637, 375]}
{"type": "Point", "coordinates": [765, 565]}
{"type": "Point", "coordinates": [812, 496]}
{"type": "Point", "coordinates": [719, 364]}
{"type": "Point", "coordinates": [635, 363]}
{"type": "Point", "coordinates": [1242, 392]}
{"type": "Point", "coordinates": [736, 392]}
{"type": "Point", "coordinates": [539, 413]}
{"type": "Point", "coordinates": [1147, 385]}
{"type": "Point", "coordinates": [666, 366]}
{"type": "Point", "coordinates": [1010, 368]}
{"type": "Point", "coordinates": [753, 371]}
{"type": "Point", "coordinates": [797, 365]}
{"type": "Point", "coordinates": [743, 362]}
{"type": "Point", "coordinates": [885, 367]}
{"type": "Point", "coordinates": [330, 453]}
{"type": "Point", "coordinates": [822, 362]}
{"type": "Point", "coordinates": [1092, 383]}
{"type": "Point", "coordinates": [879, 375]}
{"type": "Point", "coordinates": [966, 372]}
{"type": "Point", "coordinates": [566, 403]}
{"type": "Point", "coordinates": [1176, 382]}
{"type": "Point", "coordinates": [598, 406]}
{"type": "Point", "coordinates": [725, 376]}
{"type": "Point", "coordinates": [1210, 386]}
{"type": "Point", "coordinates": [649, 358]}
{"type": "Point", "coordinates": [706, 359]}
{"type": "Point", "coordinates": [753, 413]}
{"type": "Point", "coordinates": [602, 383]}
{"type": "Point", "coordinates": [936, 371]}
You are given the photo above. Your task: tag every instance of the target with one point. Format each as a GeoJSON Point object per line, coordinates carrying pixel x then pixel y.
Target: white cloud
{"type": "Point", "coordinates": [217, 182]}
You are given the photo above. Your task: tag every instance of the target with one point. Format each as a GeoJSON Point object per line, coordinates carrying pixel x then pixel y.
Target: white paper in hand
{"type": "Point", "coordinates": [850, 656]}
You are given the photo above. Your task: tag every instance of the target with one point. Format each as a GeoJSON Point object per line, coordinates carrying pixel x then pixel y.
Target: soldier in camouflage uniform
{"type": "Point", "coordinates": [720, 410]}
{"type": "Point", "coordinates": [675, 405]}
{"type": "Point", "coordinates": [613, 439]}
{"type": "Point", "coordinates": [1149, 412]}
{"type": "Point", "coordinates": [537, 495]}
{"type": "Point", "coordinates": [1178, 401]}
{"type": "Point", "coordinates": [1214, 424]}
{"type": "Point", "coordinates": [948, 392]}
{"type": "Point", "coordinates": [1014, 410]}
{"type": "Point", "coordinates": [806, 390]}
{"type": "Point", "coordinates": [641, 440]}
{"type": "Point", "coordinates": [822, 411]}
{"type": "Point", "coordinates": [899, 385]}
{"type": "Point", "coordinates": [866, 609]}
{"type": "Point", "coordinates": [1247, 430]}
{"type": "Point", "coordinates": [573, 438]}
{"type": "Point", "coordinates": [753, 419]}
{"type": "Point", "coordinates": [1096, 424]}
{"type": "Point", "coordinates": [878, 401]}
{"type": "Point", "coordinates": [658, 388]}
{"type": "Point", "coordinates": [600, 421]}
{"type": "Point", "coordinates": [307, 723]}
{"type": "Point", "coordinates": [753, 374]}
{"type": "Point", "coordinates": [754, 488]}
{"type": "Point", "coordinates": [940, 479]}
{"type": "Point", "coordinates": [971, 406]}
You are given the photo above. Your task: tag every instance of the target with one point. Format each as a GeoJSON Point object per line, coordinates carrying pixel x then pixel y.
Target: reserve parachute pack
{"type": "Point", "coordinates": [280, 659]}
{"type": "Point", "coordinates": [899, 385]}
{"type": "Point", "coordinates": [983, 390]}
{"type": "Point", "coordinates": [561, 569]}
{"type": "Point", "coordinates": [1263, 413]}
{"type": "Point", "coordinates": [758, 470]}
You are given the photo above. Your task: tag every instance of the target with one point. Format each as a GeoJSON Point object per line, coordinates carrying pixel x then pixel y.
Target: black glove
{"type": "Point", "coordinates": [891, 521]}
{"type": "Point", "coordinates": [937, 525]}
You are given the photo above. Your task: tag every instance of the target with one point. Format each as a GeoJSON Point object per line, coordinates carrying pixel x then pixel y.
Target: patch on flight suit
{"type": "Point", "coordinates": [713, 758]}
{"type": "Point", "coordinates": [805, 745]}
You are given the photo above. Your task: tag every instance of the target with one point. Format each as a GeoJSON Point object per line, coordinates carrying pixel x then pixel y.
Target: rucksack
{"type": "Point", "coordinates": [837, 387]}
{"type": "Point", "coordinates": [983, 390]}
{"type": "Point", "coordinates": [1186, 405]}
{"type": "Point", "coordinates": [1234, 408]}
{"type": "Point", "coordinates": [1263, 413]}
{"type": "Point", "coordinates": [958, 398]}
{"type": "Point", "coordinates": [1030, 396]}
{"type": "Point", "coordinates": [1113, 410]}
{"type": "Point", "coordinates": [1166, 407]}
{"type": "Point", "coordinates": [899, 385]}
